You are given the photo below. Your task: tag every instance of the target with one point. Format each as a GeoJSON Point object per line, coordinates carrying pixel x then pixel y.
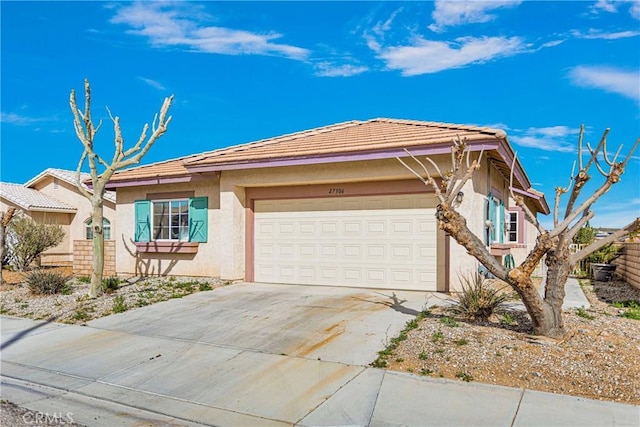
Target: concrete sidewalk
{"type": "Point", "coordinates": [260, 355]}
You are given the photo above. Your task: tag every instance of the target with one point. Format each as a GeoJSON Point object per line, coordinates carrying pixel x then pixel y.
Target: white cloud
{"type": "Point", "coordinates": [327, 69]}
{"type": "Point", "coordinates": [449, 13]}
{"type": "Point", "coordinates": [182, 25]}
{"type": "Point", "coordinates": [598, 34]}
{"type": "Point", "coordinates": [552, 138]}
{"type": "Point", "coordinates": [426, 56]}
{"type": "Point", "coordinates": [609, 79]}
{"type": "Point", "coordinates": [611, 6]}
{"type": "Point", "coordinates": [20, 120]}
{"type": "Point", "coordinates": [153, 83]}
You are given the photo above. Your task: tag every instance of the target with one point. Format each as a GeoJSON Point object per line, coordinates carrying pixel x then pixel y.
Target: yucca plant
{"type": "Point", "coordinates": [478, 299]}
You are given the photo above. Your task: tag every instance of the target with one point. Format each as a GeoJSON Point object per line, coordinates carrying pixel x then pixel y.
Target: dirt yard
{"type": "Point", "coordinates": [599, 359]}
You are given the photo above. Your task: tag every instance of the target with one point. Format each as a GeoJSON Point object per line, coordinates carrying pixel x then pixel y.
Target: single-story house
{"type": "Point", "coordinates": [52, 197]}
{"type": "Point", "coordinates": [326, 206]}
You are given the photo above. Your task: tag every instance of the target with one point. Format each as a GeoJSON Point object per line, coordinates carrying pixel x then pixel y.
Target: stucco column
{"type": "Point", "coordinates": [232, 232]}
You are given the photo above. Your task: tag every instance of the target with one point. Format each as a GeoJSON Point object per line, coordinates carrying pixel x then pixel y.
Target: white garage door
{"type": "Point", "coordinates": [371, 241]}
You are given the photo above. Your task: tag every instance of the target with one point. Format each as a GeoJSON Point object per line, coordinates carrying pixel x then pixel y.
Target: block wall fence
{"type": "Point", "coordinates": [83, 255]}
{"type": "Point", "coordinates": [629, 264]}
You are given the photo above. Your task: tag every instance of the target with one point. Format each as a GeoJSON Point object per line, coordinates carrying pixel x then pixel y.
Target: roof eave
{"type": "Point", "coordinates": [137, 182]}
{"type": "Point", "coordinates": [436, 149]}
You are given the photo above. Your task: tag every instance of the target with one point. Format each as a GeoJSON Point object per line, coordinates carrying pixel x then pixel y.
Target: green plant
{"type": "Point", "coordinates": [204, 287]}
{"type": "Point", "coordinates": [508, 319]}
{"type": "Point", "coordinates": [464, 376]}
{"type": "Point", "coordinates": [27, 239]}
{"type": "Point", "coordinates": [585, 235]}
{"type": "Point", "coordinates": [423, 355]}
{"type": "Point", "coordinates": [632, 309]}
{"type": "Point", "coordinates": [461, 341]}
{"type": "Point", "coordinates": [42, 282]}
{"type": "Point", "coordinates": [478, 300]}
{"type": "Point", "coordinates": [399, 360]}
{"type": "Point", "coordinates": [437, 336]}
{"type": "Point", "coordinates": [81, 315]}
{"type": "Point", "coordinates": [582, 312]}
{"type": "Point", "coordinates": [119, 304]}
{"type": "Point", "coordinates": [426, 371]}
{"type": "Point", "coordinates": [379, 363]}
{"type": "Point", "coordinates": [449, 321]}
{"type": "Point", "coordinates": [605, 254]}
{"type": "Point", "coordinates": [110, 284]}
{"type": "Point", "coordinates": [84, 279]}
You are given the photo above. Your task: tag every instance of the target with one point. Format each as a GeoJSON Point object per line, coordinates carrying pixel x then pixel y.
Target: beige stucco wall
{"type": "Point", "coordinates": [224, 253]}
{"type": "Point", "coordinates": [206, 262]}
{"type": "Point", "coordinates": [73, 224]}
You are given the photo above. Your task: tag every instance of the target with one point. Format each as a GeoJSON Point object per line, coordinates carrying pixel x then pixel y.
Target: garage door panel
{"type": "Point", "coordinates": [372, 241]}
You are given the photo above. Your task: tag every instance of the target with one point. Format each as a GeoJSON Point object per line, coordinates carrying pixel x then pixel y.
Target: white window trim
{"type": "Point", "coordinates": [517, 230]}
{"type": "Point", "coordinates": [152, 218]}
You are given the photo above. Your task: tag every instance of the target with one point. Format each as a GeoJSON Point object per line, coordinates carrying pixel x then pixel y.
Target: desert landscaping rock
{"type": "Point", "coordinates": [598, 359]}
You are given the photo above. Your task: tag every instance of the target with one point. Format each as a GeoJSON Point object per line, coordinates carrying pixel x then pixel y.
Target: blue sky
{"type": "Point", "coordinates": [242, 71]}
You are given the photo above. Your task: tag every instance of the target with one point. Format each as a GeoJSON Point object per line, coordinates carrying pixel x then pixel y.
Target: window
{"type": "Point", "coordinates": [512, 227]}
{"type": "Point", "coordinates": [170, 220]}
{"type": "Point", "coordinates": [106, 229]}
{"type": "Point", "coordinates": [181, 220]}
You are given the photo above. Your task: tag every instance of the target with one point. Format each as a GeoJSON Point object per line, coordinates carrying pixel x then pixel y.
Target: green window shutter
{"type": "Point", "coordinates": [501, 223]}
{"type": "Point", "coordinates": [492, 218]}
{"type": "Point", "coordinates": [198, 213]}
{"type": "Point", "coordinates": [143, 221]}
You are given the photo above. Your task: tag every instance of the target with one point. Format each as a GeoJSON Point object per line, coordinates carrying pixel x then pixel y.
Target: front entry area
{"type": "Point", "coordinates": [386, 242]}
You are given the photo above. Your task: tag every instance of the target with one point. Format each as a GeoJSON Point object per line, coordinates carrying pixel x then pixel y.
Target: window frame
{"type": "Point", "coordinates": [513, 227]}
{"type": "Point", "coordinates": [183, 237]}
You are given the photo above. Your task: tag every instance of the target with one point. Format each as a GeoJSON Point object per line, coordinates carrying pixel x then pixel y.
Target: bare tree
{"type": "Point", "coordinates": [86, 131]}
{"type": "Point", "coordinates": [545, 312]}
{"type": "Point", "coordinates": [5, 219]}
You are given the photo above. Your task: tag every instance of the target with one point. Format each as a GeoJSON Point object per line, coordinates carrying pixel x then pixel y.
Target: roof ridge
{"type": "Point", "coordinates": [443, 125]}
{"type": "Point", "coordinates": [281, 138]}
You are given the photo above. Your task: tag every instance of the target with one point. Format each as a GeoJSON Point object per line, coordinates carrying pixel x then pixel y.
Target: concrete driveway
{"type": "Point", "coordinates": [242, 354]}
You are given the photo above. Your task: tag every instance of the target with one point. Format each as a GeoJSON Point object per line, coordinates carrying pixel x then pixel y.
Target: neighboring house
{"type": "Point", "coordinates": [53, 198]}
{"type": "Point", "coordinates": [327, 206]}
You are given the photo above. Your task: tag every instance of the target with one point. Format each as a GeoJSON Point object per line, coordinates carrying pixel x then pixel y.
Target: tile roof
{"type": "Point", "coordinates": [69, 177]}
{"type": "Point", "coordinates": [32, 200]}
{"type": "Point", "coordinates": [348, 137]}
{"type": "Point", "coordinates": [342, 138]}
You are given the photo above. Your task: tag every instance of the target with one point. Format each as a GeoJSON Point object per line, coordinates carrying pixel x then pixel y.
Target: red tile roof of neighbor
{"type": "Point", "coordinates": [341, 138]}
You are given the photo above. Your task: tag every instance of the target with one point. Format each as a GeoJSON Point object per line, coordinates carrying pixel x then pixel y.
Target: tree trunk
{"type": "Point", "coordinates": [3, 229]}
{"type": "Point", "coordinates": [97, 265]}
{"type": "Point", "coordinates": [558, 269]}
{"type": "Point", "coordinates": [5, 219]}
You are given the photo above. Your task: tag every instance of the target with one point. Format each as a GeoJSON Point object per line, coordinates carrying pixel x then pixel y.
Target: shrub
{"type": "Point", "coordinates": [42, 282]}
{"type": "Point", "coordinates": [28, 239]}
{"type": "Point", "coordinates": [110, 284]}
{"type": "Point", "coordinates": [632, 309]}
{"type": "Point", "coordinates": [478, 300]}
{"type": "Point", "coordinates": [605, 254]}
{"type": "Point", "coordinates": [119, 304]}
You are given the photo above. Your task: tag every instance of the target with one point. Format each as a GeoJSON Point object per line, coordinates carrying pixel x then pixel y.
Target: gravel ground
{"type": "Point", "coordinates": [15, 416]}
{"type": "Point", "coordinates": [77, 308]}
{"type": "Point", "coordinates": [598, 359]}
